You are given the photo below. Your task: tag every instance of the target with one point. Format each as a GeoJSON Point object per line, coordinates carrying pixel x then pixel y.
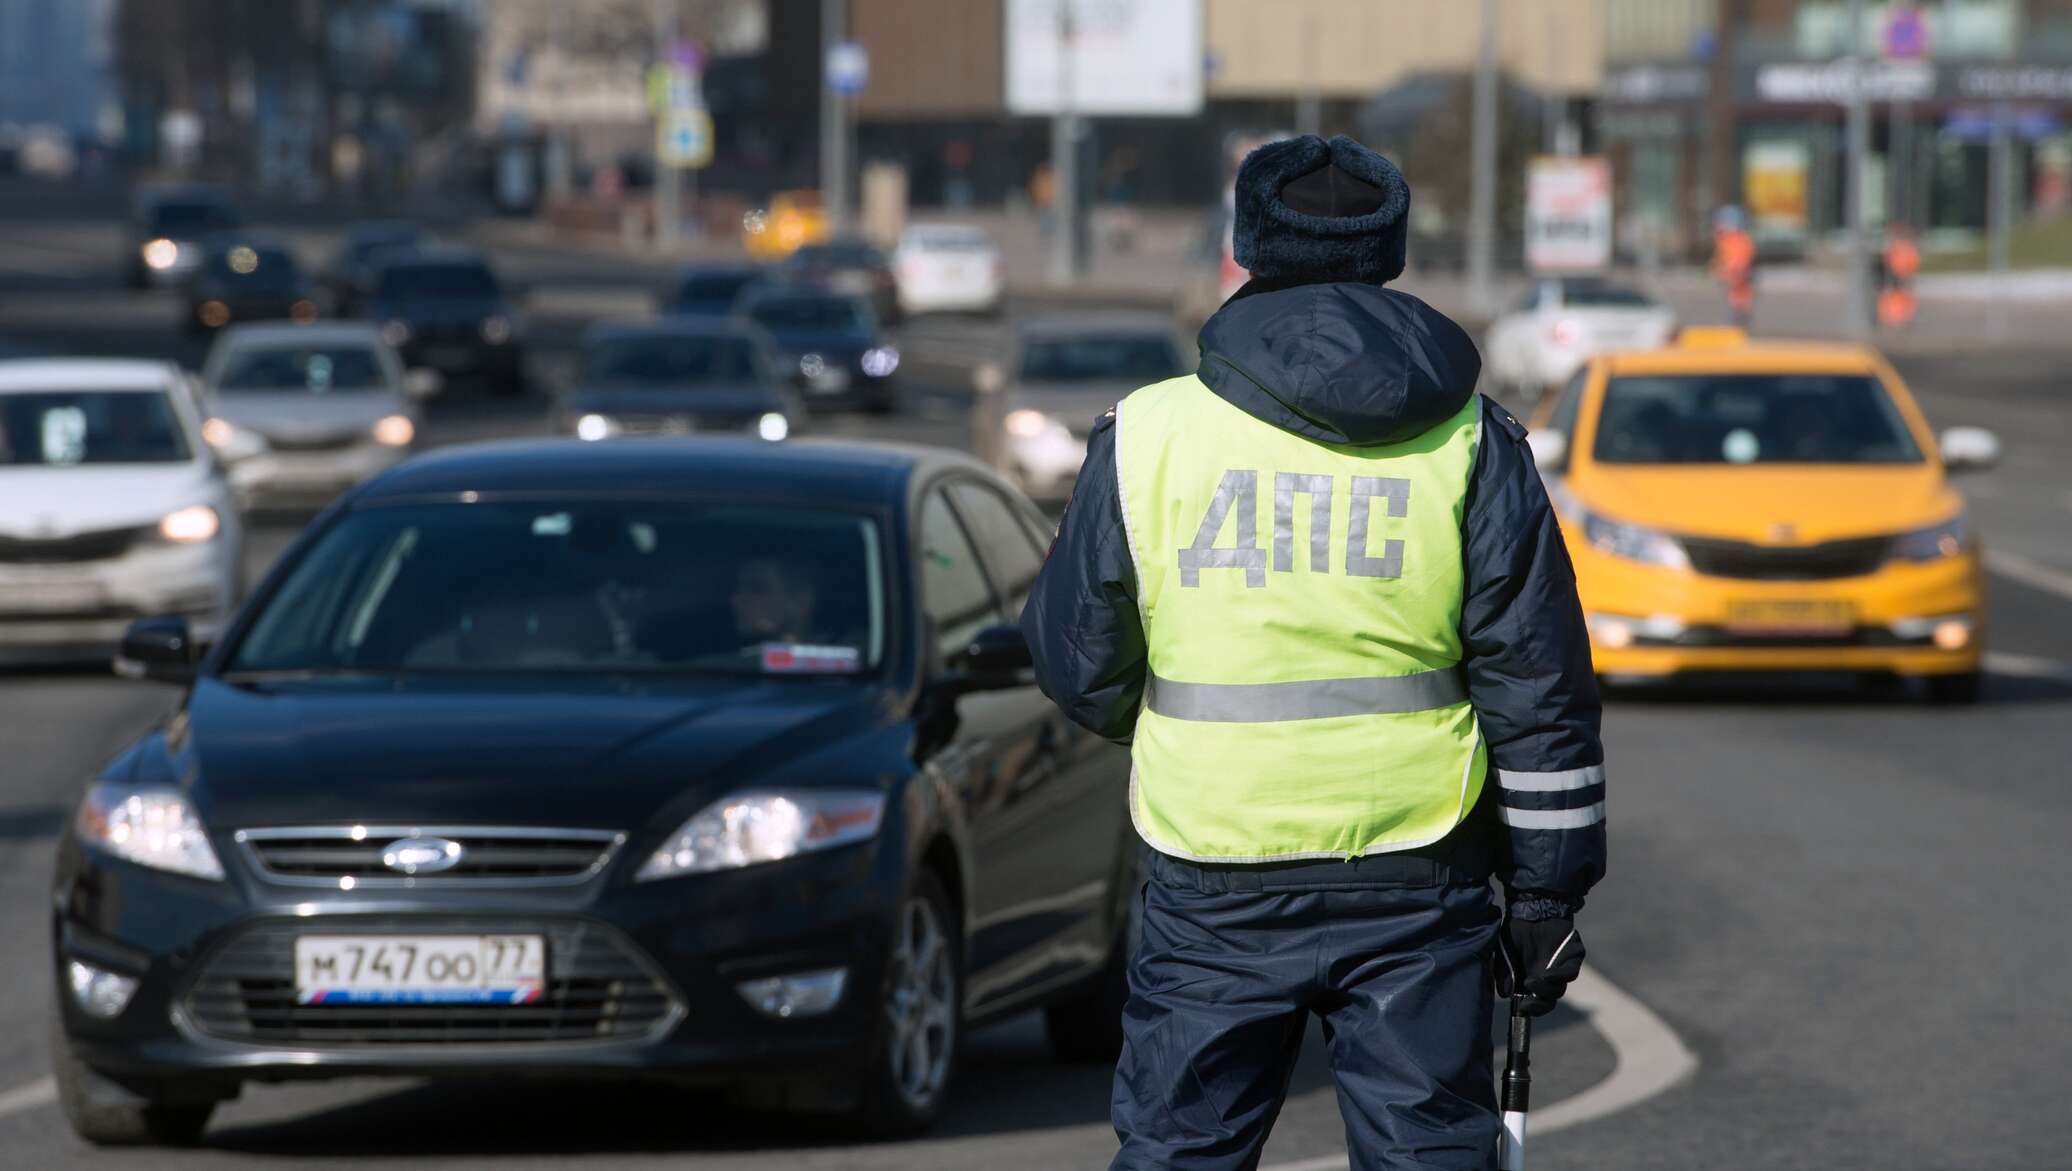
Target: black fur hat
{"type": "Point", "coordinates": [1311, 211]}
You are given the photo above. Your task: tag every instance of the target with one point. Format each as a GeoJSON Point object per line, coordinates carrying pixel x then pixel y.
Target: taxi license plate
{"type": "Point", "coordinates": [1803, 619]}
{"type": "Point", "coordinates": [420, 969]}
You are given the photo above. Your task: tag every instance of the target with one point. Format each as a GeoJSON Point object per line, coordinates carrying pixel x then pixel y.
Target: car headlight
{"type": "Point", "coordinates": [161, 253]}
{"type": "Point", "coordinates": [1634, 542]}
{"type": "Point", "coordinates": [1025, 423]}
{"type": "Point", "coordinates": [395, 333]}
{"type": "Point", "coordinates": [496, 330]}
{"type": "Point", "coordinates": [812, 365]}
{"type": "Point", "coordinates": [773, 426]}
{"type": "Point", "coordinates": [394, 431]}
{"type": "Point", "coordinates": [155, 828]}
{"type": "Point", "coordinates": [879, 361]}
{"type": "Point", "coordinates": [190, 525]}
{"type": "Point", "coordinates": [594, 427]}
{"type": "Point", "coordinates": [747, 828]}
{"type": "Point", "coordinates": [1934, 542]}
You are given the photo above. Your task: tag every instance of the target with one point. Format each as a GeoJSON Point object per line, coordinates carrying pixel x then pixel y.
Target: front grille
{"type": "Point", "coordinates": [1851, 558]}
{"type": "Point", "coordinates": [506, 855]}
{"type": "Point", "coordinates": [683, 424]}
{"type": "Point", "coordinates": [598, 988]}
{"type": "Point", "coordinates": [313, 442]}
{"type": "Point", "coordinates": [103, 545]}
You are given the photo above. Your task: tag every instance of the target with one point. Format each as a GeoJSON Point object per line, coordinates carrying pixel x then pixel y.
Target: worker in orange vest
{"type": "Point", "coordinates": [1901, 264]}
{"type": "Point", "coordinates": [1733, 263]}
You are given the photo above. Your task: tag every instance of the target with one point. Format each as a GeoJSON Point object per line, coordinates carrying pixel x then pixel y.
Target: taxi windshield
{"type": "Point", "coordinates": [584, 586]}
{"type": "Point", "coordinates": [1751, 418]}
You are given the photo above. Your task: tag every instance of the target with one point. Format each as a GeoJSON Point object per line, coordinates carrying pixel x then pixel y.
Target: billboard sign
{"type": "Point", "coordinates": [1774, 184]}
{"type": "Point", "coordinates": [1105, 57]}
{"type": "Point", "coordinates": [1568, 214]}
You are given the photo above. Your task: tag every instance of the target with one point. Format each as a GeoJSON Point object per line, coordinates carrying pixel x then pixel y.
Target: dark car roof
{"type": "Point", "coordinates": [845, 472]}
{"type": "Point", "coordinates": [605, 331]}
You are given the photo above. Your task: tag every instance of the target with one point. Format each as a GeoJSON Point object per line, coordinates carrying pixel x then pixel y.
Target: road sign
{"type": "Point", "coordinates": [1103, 57]}
{"type": "Point", "coordinates": [848, 68]}
{"type": "Point", "coordinates": [683, 139]}
{"type": "Point", "coordinates": [1906, 34]}
{"type": "Point", "coordinates": [1568, 214]}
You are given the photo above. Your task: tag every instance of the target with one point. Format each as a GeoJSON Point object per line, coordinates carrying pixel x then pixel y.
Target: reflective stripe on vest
{"type": "Point", "coordinates": [1301, 606]}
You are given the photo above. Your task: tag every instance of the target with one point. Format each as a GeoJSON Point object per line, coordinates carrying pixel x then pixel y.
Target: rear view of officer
{"type": "Point", "coordinates": [1318, 587]}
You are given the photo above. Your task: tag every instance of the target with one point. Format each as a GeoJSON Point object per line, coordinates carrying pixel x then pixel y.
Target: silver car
{"type": "Point", "coordinates": [112, 507]}
{"type": "Point", "coordinates": [302, 412]}
{"type": "Point", "coordinates": [1064, 373]}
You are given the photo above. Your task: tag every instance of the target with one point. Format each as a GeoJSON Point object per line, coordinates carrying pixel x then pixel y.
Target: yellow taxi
{"type": "Point", "coordinates": [1734, 505]}
{"type": "Point", "coordinates": [793, 220]}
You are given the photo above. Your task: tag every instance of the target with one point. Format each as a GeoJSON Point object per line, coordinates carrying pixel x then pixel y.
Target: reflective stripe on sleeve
{"type": "Point", "coordinates": [1551, 818]}
{"type": "Point", "coordinates": [1555, 782]}
{"type": "Point", "coordinates": [1309, 699]}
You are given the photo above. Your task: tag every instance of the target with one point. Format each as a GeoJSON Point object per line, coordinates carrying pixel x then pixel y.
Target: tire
{"type": "Point", "coordinates": [1958, 690]}
{"type": "Point", "coordinates": [909, 1077]}
{"type": "Point", "coordinates": [1085, 1025]}
{"type": "Point", "coordinates": [108, 1113]}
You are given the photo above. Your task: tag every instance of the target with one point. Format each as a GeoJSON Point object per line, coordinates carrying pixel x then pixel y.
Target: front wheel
{"type": "Point", "coordinates": [919, 1015]}
{"type": "Point", "coordinates": [107, 1113]}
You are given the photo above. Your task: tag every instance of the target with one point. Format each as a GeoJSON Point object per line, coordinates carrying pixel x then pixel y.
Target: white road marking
{"type": "Point", "coordinates": [2030, 573]}
{"type": "Point", "coordinates": [1648, 1058]}
{"type": "Point", "coordinates": [22, 1099]}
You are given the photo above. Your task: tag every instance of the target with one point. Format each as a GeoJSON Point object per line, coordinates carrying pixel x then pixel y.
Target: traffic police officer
{"type": "Point", "coordinates": [1318, 588]}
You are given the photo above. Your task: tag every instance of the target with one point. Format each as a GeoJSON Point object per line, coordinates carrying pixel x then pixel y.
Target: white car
{"type": "Point", "coordinates": [947, 268]}
{"type": "Point", "coordinates": [303, 412]}
{"type": "Point", "coordinates": [1562, 323]}
{"type": "Point", "coordinates": [112, 507]}
{"type": "Point", "coordinates": [1064, 374]}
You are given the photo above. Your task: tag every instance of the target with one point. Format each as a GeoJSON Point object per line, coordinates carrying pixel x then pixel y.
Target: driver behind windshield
{"type": "Point", "coordinates": [775, 599]}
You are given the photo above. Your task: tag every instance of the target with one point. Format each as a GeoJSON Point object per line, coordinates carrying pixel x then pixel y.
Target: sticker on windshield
{"type": "Point", "coordinates": [784, 658]}
{"type": "Point", "coordinates": [1740, 446]}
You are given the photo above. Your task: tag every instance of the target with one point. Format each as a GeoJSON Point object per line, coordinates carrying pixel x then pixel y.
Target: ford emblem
{"type": "Point", "coordinates": [421, 855]}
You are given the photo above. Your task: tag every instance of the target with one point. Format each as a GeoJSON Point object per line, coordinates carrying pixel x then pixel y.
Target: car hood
{"type": "Point", "coordinates": [57, 502]}
{"type": "Point", "coordinates": [437, 312]}
{"type": "Point", "coordinates": [300, 415]}
{"type": "Point", "coordinates": [1749, 503]}
{"type": "Point", "coordinates": [644, 399]}
{"type": "Point", "coordinates": [613, 758]}
{"type": "Point", "coordinates": [1075, 404]}
{"type": "Point", "coordinates": [813, 341]}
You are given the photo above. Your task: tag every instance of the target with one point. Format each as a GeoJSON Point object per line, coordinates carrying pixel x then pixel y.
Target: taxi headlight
{"type": "Point", "coordinates": [161, 253]}
{"type": "Point", "coordinates": [747, 828]}
{"type": "Point", "coordinates": [190, 525]}
{"type": "Point", "coordinates": [1934, 542]}
{"type": "Point", "coordinates": [1634, 542]}
{"type": "Point", "coordinates": [394, 431]}
{"type": "Point", "coordinates": [155, 828]}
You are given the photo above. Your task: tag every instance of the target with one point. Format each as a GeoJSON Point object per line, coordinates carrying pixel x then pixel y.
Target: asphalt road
{"type": "Point", "coordinates": [1845, 904]}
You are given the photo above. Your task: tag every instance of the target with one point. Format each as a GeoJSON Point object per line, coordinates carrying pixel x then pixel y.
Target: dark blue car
{"type": "Point", "coordinates": [831, 344]}
{"type": "Point", "coordinates": [675, 377]}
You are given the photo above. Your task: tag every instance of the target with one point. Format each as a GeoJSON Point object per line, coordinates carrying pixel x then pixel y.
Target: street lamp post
{"type": "Point", "coordinates": [834, 119]}
{"type": "Point", "coordinates": [1482, 190]}
{"type": "Point", "coordinates": [1856, 253]}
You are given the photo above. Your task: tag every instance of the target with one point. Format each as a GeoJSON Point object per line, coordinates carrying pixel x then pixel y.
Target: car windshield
{"type": "Point", "coordinates": [190, 218]}
{"type": "Point", "coordinates": [365, 244]}
{"type": "Point", "coordinates": [60, 428]}
{"type": "Point", "coordinates": [437, 282]}
{"type": "Point", "coordinates": [948, 242]}
{"type": "Point", "coordinates": [841, 254]}
{"type": "Point", "coordinates": [819, 313]}
{"type": "Point", "coordinates": [1751, 418]}
{"type": "Point", "coordinates": [713, 288]}
{"type": "Point", "coordinates": [316, 369]}
{"type": "Point", "coordinates": [253, 264]}
{"type": "Point", "coordinates": [1100, 357]}
{"type": "Point", "coordinates": [590, 586]}
{"type": "Point", "coordinates": [687, 359]}
{"type": "Point", "coordinates": [1598, 295]}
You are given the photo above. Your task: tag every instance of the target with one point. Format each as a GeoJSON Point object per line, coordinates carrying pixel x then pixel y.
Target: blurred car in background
{"type": "Point", "coordinates": [301, 413]}
{"type": "Point", "coordinates": [1740, 506]}
{"type": "Point", "coordinates": [848, 266]}
{"type": "Point", "coordinates": [243, 278]}
{"type": "Point", "coordinates": [947, 268]}
{"type": "Point", "coordinates": [361, 252]}
{"type": "Point", "coordinates": [1561, 323]}
{"type": "Point", "coordinates": [710, 290]}
{"type": "Point", "coordinates": [1063, 374]}
{"type": "Point", "coordinates": [828, 344]}
{"type": "Point", "coordinates": [674, 377]}
{"type": "Point", "coordinates": [445, 310]}
{"type": "Point", "coordinates": [111, 507]}
{"type": "Point", "coordinates": [167, 229]}
{"type": "Point", "coordinates": [712, 759]}
{"type": "Point", "coordinates": [792, 220]}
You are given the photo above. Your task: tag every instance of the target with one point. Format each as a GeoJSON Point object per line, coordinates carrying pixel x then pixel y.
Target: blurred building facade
{"type": "Point", "coordinates": [55, 68]}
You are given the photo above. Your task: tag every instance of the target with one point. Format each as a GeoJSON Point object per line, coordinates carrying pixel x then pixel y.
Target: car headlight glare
{"type": "Point", "coordinates": [496, 330]}
{"type": "Point", "coordinates": [1634, 542]}
{"type": "Point", "coordinates": [395, 333]}
{"type": "Point", "coordinates": [100, 993]}
{"type": "Point", "coordinates": [879, 361]}
{"type": "Point", "coordinates": [595, 427]}
{"type": "Point", "coordinates": [155, 828]}
{"type": "Point", "coordinates": [773, 426]}
{"type": "Point", "coordinates": [1028, 424]}
{"type": "Point", "coordinates": [394, 431]}
{"type": "Point", "coordinates": [1934, 542]}
{"type": "Point", "coordinates": [190, 525]}
{"type": "Point", "coordinates": [161, 253]}
{"type": "Point", "coordinates": [765, 826]}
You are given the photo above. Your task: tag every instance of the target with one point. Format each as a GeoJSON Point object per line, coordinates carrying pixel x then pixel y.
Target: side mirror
{"type": "Point", "coordinates": [989, 378]}
{"type": "Point", "coordinates": [1549, 450]}
{"type": "Point", "coordinates": [422, 383]}
{"type": "Point", "coordinates": [1968, 449]}
{"type": "Point", "coordinates": [997, 657]}
{"type": "Point", "coordinates": [160, 648]}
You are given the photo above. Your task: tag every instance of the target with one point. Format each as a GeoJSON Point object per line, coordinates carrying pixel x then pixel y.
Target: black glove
{"type": "Point", "coordinates": [1537, 957]}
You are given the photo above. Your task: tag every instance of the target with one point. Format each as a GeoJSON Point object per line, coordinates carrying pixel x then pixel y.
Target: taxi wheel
{"type": "Point", "coordinates": [107, 1113]}
{"type": "Point", "coordinates": [1955, 690]}
{"type": "Point", "coordinates": [920, 1017]}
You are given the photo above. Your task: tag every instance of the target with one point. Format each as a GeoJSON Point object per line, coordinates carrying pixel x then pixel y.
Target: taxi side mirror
{"type": "Point", "coordinates": [1967, 449]}
{"type": "Point", "coordinates": [1549, 450]}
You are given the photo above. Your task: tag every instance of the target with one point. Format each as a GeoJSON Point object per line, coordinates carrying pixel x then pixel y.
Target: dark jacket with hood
{"type": "Point", "coordinates": [1355, 363]}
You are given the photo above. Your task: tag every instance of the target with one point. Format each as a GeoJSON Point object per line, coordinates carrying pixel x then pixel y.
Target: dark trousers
{"type": "Point", "coordinates": [1233, 961]}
